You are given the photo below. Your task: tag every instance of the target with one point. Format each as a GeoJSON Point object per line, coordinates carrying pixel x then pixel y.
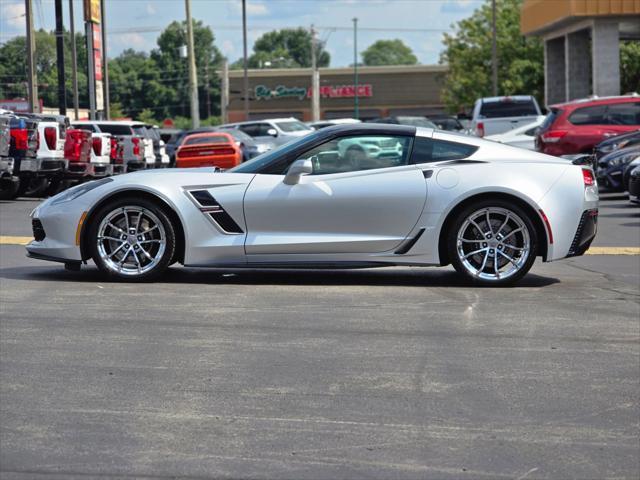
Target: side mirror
{"type": "Point", "coordinates": [296, 170]}
{"type": "Point", "coordinates": [273, 132]}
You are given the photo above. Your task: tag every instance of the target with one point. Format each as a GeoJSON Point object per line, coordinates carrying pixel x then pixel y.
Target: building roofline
{"type": "Point", "coordinates": [292, 72]}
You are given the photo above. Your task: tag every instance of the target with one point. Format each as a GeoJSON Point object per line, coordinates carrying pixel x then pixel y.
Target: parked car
{"type": "Point", "coordinates": [611, 167]}
{"type": "Point", "coordinates": [276, 131]}
{"type": "Point", "coordinates": [172, 138]}
{"type": "Point", "coordinates": [211, 149]}
{"type": "Point", "coordinates": [330, 122]}
{"type": "Point", "coordinates": [77, 151]}
{"type": "Point", "coordinates": [617, 142]}
{"type": "Point", "coordinates": [486, 216]}
{"type": "Point", "coordinates": [101, 154]}
{"type": "Point", "coordinates": [8, 181]}
{"type": "Point", "coordinates": [446, 122]}
{"type": "Point", "coordinates": [578, 126]}
{"type": "Point", "coordinates": [133, 148]}
{"type": "Point", "coordinates": [249, 147]}
{"type": "Point", "coordinates": [634, 185]}
{"type": "Point", "coordinates": [23, 148]}
{"type": "Point", "coordinates": [626, 175]}
{"type": "Point", "coordinates": [159, 152]}
{"type": "Point", "coordinates": [494, 115]}
{"type": "Point", "coordinates": [523, 137]}
{"type": "Point", "coordinates": [415, 121]}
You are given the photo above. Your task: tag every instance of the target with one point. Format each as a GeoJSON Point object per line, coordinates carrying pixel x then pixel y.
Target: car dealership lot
{"type": "Point", "coordinates": [397, 372]}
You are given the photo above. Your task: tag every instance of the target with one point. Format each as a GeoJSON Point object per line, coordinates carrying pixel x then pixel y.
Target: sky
{"type": "Point", "coordinates": [137, 23]}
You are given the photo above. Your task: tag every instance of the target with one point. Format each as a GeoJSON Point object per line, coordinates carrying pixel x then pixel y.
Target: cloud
{"type": "Point", "coordinates": [151, 9]}
{"type": "Point", "coordinates": [13, 15]}
{"type": "Point", "coordinates": [228, 47]}
{"type": "Point", "coordinates": [255, 9]}
{"type": "Point", "coordinates": [458, 6]}
{"type": "Point", "coordinates": [133, 40]}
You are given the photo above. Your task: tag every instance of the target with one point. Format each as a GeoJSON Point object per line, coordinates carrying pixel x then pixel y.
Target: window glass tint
{"type": "Point", "coordinates": [416, 122]}
{"type": "Point", "coordinates": [624, 114]}
{"type": "Point", "coordinates": [86, 126]}
{"type": "Point", "coordinates": [549, 119]}
{"type": "Point", "coordinates": [250, 129]}
{"type": "Point", "coordinates": [531, 132]}
{"type": "Point", "coordinates": [508, 108]}
{"type": "Point", "coordinates": [348, 154]}
{"type": "Point", "coordinates": [263, 129]}
{"type": "Point", "coordinates": [589, 115]}
{"type": "Point", "coordinates": [115, 129]}
{"type": "Point", "coordinates": [292, 126]}
{"type": "Point", "coordinates": [206, 140]}
{"type": "Point", "coordinates": [426, 150]}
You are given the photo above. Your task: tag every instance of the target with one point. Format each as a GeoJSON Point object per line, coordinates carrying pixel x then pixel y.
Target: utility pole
{"type": "Point", "coordinates": [31, 63]}
{"type": "Point", "coordinates": [74, 60]}
{"type": "Point", "coordinates": [245, 62]}
{"type": "Point", "coordinates": [224, 94]}
{"type": "Point", "coordinates": [105, 61]}
{"type": "Point", "coordinates": [62, 90]}
{"type": "Point", "coordinates": [355, 69]}
{"type": "Point", "coordinates": [207, 93]}
{"type": "Point", "coordinates": [494, 49]}
{"type": "Point", "coordinates": [193, 79]}
{"type": "Point", "coordinates": [315, 78]}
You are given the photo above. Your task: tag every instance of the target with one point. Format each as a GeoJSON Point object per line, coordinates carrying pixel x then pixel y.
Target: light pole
{"type": "Point", "coordinates": [355, 68]}
{"type": "Point", "coordinates": [494, 50]}
{"type": "Point", "coordinates": [193, 79]}
{"type": "Point", "coordinates": [315, 79]}
{"type": "Point", "coordinates": [74, 61]}
{"type": "Point", "coordinates": [245, 62]}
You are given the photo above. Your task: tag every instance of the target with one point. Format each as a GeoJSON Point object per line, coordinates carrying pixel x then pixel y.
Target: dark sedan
{"type": "Point", "coordinates": [611, 167]}
{"type": "Point", "coordinates": [634, 185]}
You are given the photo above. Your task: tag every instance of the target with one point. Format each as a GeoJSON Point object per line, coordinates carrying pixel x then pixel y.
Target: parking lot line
{"type": "Point", "coordinates": [9, 240]}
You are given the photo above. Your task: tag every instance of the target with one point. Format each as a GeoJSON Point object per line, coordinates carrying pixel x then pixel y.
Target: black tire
{"type": "Point", "coordinates": [163, 259]}
{"type": "Point", "coordinates": [57, 185]}
{"type": "Point", "coordinates": [32, 187]}
{"type": "Point", "coordinates": [478, 242]}
{"type": "Point", "coordinates": [8, 189]}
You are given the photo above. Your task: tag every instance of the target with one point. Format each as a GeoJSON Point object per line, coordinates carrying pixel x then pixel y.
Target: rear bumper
{"type": "Point", "coordinates": [91, 170]}
{"type": "Point", "coordinates": [135, 166]}
{"type": "Point", "coordinates": [50, 166]}
{"type": "Point", "coordinates": [6, 167]}
{"type": "Point", "coordinates": [586, 232]}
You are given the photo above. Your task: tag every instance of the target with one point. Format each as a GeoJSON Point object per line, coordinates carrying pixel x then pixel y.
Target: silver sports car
{"type": "Point", "coordinates": [349, 196]}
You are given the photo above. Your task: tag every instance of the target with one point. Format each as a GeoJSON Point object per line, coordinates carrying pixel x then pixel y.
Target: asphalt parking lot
{"type": "Point", "coordinates": [387, 373]}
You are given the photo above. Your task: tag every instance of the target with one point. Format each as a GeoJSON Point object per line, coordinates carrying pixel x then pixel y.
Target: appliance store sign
{"type": "Point", "coordinates": [263, 92]}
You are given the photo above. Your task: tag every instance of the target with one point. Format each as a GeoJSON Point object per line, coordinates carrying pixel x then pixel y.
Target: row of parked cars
{"type": "Point", "coordinates": [42, 154]}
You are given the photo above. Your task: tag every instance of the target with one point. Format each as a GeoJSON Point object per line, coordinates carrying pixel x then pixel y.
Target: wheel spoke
{"type": "Point", "coordinates": [477, 226]}
{"type": "Point", "coordinates": [507, 257]}
{"type": "Point", "coordinates": [149, 230]}
{"type": "Point", "coordinates": [105, 237]}
{"type": "Point", "coordinates": [135, 255]}
{"type": "Point", "coordinates": [465, 240]}
{"type": "Point", "coordinates": [138, 222]}
{"type": "Point", "coordinates": [116, 250]}
{"type": "Point", "coordinates": [504, 224]}
{"type": "Point", "coordinates": [146, 254]}
{"type": "Point", "coordinates": [489, 223]}
{"type": "Point", "coordinates": [475, 252]}
{"type": "Point", "coordinates": [484, 263]}
{"type": "Point", "coordinates": [513, 247]}
{"type": "Point", "coordinates": [116, 228]}
{"type": "Point", "coordinates": [511, 233]}
{"type": "Point", "coordinates": [153, 240]}
{"type": "Point", "coordinates": [126, 218]}
{"type": "Point", "coordinates": [495, 265]}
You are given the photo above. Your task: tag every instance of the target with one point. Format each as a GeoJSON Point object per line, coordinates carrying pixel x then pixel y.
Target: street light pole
{"type": "Point", "coordinates": [355, 68]}
{"type": "Point", "coordinates": [74, 61]}
{"type": "Point", "coordinates": [315, 78]}
{"type": "Point", "coordinates": [105, 60]}
{"type": "Point", "coordinates": [245, 62]}
{"type": "Point", "coordinates": [193, 79]}
{"type": "Point", "coordinates": [31, 63]}
{"type": "Point", "coordinates": [494, 49]}
{"type": "Point", "coordinates": [62, 89]}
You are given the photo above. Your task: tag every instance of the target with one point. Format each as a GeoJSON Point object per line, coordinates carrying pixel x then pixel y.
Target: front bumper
{"type": "Point", "coordinates": [634, 189]}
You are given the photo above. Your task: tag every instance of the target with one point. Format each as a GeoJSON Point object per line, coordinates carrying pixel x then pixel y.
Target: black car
{"type": "Point", "coordinates": [612, 144]}
{"type": "Point", "coordinates": [611, 167]}
{"type": "Point", "coordinates": [414, 121]}
{"type": "Point", "coordinates": [634, 185]}
{"type": "Point", "coordinates": [447, 122]}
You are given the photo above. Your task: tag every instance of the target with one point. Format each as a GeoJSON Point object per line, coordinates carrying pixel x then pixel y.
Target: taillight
{"type": "Point", "coordinates": [136, 146]}
{"type": "Point", "coordinates": [51, 137]}
{"type": "Point", "coordinates": [113, 152]}
{"type": "Point", "coordinates": [73, 144]}
{"type": "Point", "coordinates": [588, 177]}
{"type": "Point", "coordinates": [480, 129]}
{"type": "Point", "coordinates": [20, 137]}
{"type": "Point", "coordinates": [553, 136]}
{"type": "Point", "coordinates": [96, 143]}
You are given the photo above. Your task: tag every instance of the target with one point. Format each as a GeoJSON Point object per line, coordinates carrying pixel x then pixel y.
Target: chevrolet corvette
{"type": "Point", "coordinates": [349, 196]}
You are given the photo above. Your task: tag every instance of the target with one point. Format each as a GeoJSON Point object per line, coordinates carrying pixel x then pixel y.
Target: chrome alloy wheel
{"type": "Point", "coordinates": [131, 240]}
{"type": "Point", "coordinates": [493, 243]}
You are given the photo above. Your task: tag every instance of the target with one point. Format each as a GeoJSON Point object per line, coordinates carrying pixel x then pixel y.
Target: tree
{"type": "Point", "coordinates": [286, 48]}
{"type": "Point", "coordinates": [630, 66]}
{"type": "Point", "coordinates": [468, 54]}
{"type": "Point", "coordinates": [389, 52]}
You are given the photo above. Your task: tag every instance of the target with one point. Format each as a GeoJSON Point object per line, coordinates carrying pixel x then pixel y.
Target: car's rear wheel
{"type": "Point", "coordinates": [132, 240]}
{"type": "Point", "coordinates": [493, 242]}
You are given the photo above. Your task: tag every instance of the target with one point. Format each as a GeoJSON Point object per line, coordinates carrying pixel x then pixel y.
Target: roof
{"type": "Point", "coordinates": [541, 16]}
{"type": "Point", "coordinates": [595, 100]}
{"type": "Point", "coordinates": [129, 123]}
{"type": "Point", "coordinates": [292, 72]}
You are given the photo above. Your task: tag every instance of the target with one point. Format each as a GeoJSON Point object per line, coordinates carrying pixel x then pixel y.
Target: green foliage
{"type": "Point", "coordinates": [389, 52]}
{"type": "Point", "coordinates": [630, 66]}
{"type": "Point", "coordinates": [468, 54]}
{"type": "Point", "coordinates": [146, 116]}
{"type": "Point", "coordinates": [286, 48]}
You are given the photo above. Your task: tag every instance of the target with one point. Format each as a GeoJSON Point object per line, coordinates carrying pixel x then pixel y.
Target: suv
{"type": "Point", "coordinates": [276, 131]}
{"type": "Point", "coordinates": [578, 126]}
{"type": "Point", "coordinates": [493, 115]}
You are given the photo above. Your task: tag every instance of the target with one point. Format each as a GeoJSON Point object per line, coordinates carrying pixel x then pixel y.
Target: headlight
{"type": "Point", "coordinates": [623, 160]}
{"type": "Point", "coordinates": [78, 190]}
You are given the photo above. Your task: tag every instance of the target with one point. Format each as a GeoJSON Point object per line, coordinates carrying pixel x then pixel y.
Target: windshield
{"type": "Point", "coordinates": [416, 122]}
{"type": "Point", "coordinates": [508, 108]}
{"type": "Point", "coordinates": [205, 139]}
{"type": "Point", "coordinates": [293, 126]}
{"type": "Point", "coordinates": [114, 129]}
{"type": "Point", "coordinates": [239, 135]}
{"type": "Point", "coordinates": [257, 163]}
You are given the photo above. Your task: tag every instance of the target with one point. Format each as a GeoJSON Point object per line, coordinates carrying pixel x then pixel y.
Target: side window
{"type": "Point", "coordinates": [624, 114]}
{"type": "Point", "coordinates": [350, 154]}
{"type": "Point", "coordinates": [86, 126]}
{"type": "Point", "coordinates": [250, 129]}
{"type": "Point", "coordinates": [263, 129]}
{"type": "Point", "coordinates": [531, 132]}
{"type": "Point", "coordinates": [589, 116]}
{"type": "Point", "coordinates": [427, 150]}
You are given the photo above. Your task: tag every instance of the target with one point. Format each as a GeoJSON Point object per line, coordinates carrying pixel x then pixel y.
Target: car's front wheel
{"type": "Point", "coordinates": [493, 242]}
{"type": "Point", "coordinates": [132, 239]}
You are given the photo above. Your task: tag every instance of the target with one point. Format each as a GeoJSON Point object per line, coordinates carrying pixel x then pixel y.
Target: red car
{"type": "Point", "coordinates": [577, 127]}
{"type": "Point", "coordinates": [210, 149]}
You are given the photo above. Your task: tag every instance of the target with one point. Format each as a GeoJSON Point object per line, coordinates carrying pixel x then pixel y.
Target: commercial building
{"type": "Point", "coordinates": [581, 43]}
{"type": "Point", "coordinates": [382, 91]}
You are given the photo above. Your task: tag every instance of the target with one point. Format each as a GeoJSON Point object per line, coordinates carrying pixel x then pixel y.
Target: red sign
{"type": "Point", "coordinates": [97, 64]}
{"type": "Point", "coordinates": [344, 91]}
{"type": "Point", "coordinates": [97, 36]}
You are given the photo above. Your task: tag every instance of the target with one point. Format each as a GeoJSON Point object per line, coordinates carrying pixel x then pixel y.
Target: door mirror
{"type": "Point", "coordinates": [273, 132]}
{"type": "Point", "coordinates": [296, 170]}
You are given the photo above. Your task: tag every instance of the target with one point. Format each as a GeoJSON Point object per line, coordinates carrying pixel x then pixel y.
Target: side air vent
{"type": "Point", "coordinates": [214, 211]}
{"type": "Point", "coordinates": [410, 243]}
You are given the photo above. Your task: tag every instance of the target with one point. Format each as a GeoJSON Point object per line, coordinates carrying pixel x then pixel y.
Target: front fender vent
{"type": "Point", "coordinates": [214, 211]}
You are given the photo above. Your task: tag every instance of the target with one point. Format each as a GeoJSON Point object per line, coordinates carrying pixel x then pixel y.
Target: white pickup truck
{"type": "Point", "coordinates": [493, 115]}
